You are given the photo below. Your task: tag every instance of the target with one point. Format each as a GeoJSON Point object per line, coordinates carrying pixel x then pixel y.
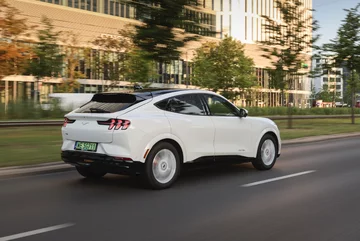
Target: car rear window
{"type": "Point", "coordinates": [109, 103]}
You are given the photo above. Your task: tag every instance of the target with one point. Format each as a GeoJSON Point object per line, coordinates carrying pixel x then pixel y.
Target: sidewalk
{"type": "Point", "coordinates": [54, 167]}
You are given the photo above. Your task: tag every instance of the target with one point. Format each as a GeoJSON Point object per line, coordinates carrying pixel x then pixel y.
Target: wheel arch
{"type": "Point", "coordinates": [268, 131]}
{"type": "Point", "coordinates": [173, 140]}
{"type": "Point", "coordinates": [271, 133]}
{"type": "Point", "coordinates": [176, 145]}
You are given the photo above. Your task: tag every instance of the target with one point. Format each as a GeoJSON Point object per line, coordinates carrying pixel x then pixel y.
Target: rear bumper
{"type": "Point", "coordinates": [102, 162]}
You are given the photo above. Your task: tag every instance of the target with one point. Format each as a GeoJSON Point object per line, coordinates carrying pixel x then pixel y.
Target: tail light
{"type": "Point", "coordinates": [67, 121]}
{"type": "Point", "coordinates": [117, 124]}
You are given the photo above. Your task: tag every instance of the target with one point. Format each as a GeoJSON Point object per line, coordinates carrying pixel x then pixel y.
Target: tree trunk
{"type": "Point", "coordinates": [289, 111]}
{"type": "Point", "coordinates": [290, 120]}
{"type": "Point", "coordinates": [353, 97]}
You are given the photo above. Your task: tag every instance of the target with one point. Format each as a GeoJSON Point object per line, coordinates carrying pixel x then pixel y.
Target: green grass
{"type": "Point", "coordinates": [34, 145]}
{"type": "Point", "coordinates": [29, 145]}
{"type": "Point", "coordinates": [316, 127]}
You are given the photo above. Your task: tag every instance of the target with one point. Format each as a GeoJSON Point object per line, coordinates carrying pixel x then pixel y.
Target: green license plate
{"type": "Point", "coordinates": [85, 146]}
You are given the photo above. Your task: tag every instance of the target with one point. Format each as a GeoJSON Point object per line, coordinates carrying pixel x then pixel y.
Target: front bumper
{"type": "Point", "coordinates": [102, 162]}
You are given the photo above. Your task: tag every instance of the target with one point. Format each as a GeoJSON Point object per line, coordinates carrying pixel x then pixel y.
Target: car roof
{"type": "Point", "coordinates": [152, 93]}
{"type": "Point", "coordinates": [155, 92]}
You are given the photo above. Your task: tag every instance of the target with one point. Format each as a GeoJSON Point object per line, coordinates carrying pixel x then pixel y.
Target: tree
{"type": "Point", "coordinates": [48, 59]}
{"type": "Point", "coordinates": [122, 60]}
{"type": "Point", "coordinates": [159, 35]}
{"type": "Point", "coordinates": [287, 45]}
{"type": "Point", "coordinates": [72, 60]}
{"type": "Point", "coordinates": [111, 55]}
{"type": "Point", "coordinates": [325, 95]}
{"type": "Point", "coordinates": [223, 67]}
{"type": "Point", "coordinates": [138, 68]}
{"type": "Point", "coordinates": [346, 51]}
{"type": "Point", "coordinates": [14, 54]}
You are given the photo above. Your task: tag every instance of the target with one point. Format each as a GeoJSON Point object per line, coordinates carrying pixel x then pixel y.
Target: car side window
{"type": "Point", "coordinates": [189, 104]}
{"type": "Point", "coordinates": [219, 107]}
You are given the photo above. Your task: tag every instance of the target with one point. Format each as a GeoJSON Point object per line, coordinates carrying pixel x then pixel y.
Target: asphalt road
{"type": "Point", "coordinates": [319, 201]}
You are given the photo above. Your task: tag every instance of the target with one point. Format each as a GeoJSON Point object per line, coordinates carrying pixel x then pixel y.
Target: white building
{"type": "Point", "coordinates": [329, 78]}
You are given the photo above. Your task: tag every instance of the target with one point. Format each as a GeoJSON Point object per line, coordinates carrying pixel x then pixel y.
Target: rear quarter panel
{"type": "Point", "coordinates": [148, 126]}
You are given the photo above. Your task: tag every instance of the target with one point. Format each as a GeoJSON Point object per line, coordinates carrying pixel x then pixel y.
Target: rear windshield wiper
{"type": "Point", "coordinates": [98, 110]}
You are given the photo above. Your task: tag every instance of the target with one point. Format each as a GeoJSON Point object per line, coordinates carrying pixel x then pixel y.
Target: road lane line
{"type": "Point", "coordinates": [276, 179]}
{"type": "Point", "coordinates": [37, 231]}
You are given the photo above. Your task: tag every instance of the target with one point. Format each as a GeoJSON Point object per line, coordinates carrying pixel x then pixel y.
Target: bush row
{"type": "Point", "coordinates": [271, 111]}
{"type": "Point", "coordinates": [29, 110]}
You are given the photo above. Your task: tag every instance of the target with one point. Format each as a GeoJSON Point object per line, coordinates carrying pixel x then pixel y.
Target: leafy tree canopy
{"type": "Point", "coordinates": [48, 57]}
{"type": "Point", "coordinates": [287, 42]}
{"type": "Point", "coordinates": [223, 67]}
{"type": "Point", "coordinates": [14, 54]}
{"type": "Point", "coordinates": [160, 33]}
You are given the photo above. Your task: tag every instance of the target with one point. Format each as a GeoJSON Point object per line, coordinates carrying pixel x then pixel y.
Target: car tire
{"type": "Point", "coordinates": [266, 153]}
{"type": "Point", "coordinates": [162, 166]}
{"type": "Point", "coordinates": [90, 173]}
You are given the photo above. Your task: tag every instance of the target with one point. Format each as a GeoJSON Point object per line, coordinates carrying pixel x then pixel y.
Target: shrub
{"type": "Point", "coordinates": [28, 110]}
{"type": "Point", "coordinates": [273, 111]}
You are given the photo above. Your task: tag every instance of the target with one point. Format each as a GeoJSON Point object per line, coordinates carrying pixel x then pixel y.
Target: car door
{"type": "Point", "coordinates": [190, 122]}
{"type": "Point", "coordinates": [233, 135]}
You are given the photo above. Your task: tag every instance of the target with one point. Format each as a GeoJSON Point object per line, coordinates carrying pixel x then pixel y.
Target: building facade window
{"type": "Point", "coordinates": [106, 6]}
{"type": "Point", "coordinates": [246, 27]}
{"type": "Point", "coordinates": [258, 29]}
{"type": "Point", "coordinates": [253, 29]}
{"type": "Point", "coordinates": [207, 23]}
{"type": "Point", "coordinates": [89, 5]}
{"type": "Point", "coordinates": [59, 2]}
{"type": "Point", "coordinates": [117, 8]}
{"type": "Point", "coordinates": [230, 23]}
{"type": "Point", "coordinates": [221, 26]}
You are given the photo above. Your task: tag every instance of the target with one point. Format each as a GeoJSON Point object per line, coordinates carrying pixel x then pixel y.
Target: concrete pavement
{"type": "Point", "coordinates": [310, 194]}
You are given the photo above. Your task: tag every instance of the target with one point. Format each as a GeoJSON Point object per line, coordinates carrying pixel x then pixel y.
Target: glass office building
{"type": "Point", "coordinates": [92, 19]}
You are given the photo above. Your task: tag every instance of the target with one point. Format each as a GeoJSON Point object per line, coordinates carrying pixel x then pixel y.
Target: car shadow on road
{"type": "Point", "coordinates": [199, 174]}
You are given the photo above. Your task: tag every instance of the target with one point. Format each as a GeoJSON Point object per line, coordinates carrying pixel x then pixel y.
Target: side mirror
{"type": "Point", "coordinates": [243, 113]}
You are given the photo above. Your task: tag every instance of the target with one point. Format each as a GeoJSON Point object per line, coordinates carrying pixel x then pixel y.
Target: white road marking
{"type": "Point", "coordinates": [276, 179]}
{"type": "Point", "coordinates": [37, 231]}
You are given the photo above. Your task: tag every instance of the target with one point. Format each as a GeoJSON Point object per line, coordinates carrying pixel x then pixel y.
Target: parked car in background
{"type": "Point", "coordinates": [341, 104]}
{"type": "Point", "coordinates": [357, 105]}
{"type": "Point", "coordinates": [67, 101]}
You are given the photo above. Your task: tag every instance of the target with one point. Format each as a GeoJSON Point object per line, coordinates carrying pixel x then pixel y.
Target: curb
{"type": "Point", "coordinates": [55, 167]}
{"type": "Point", "coordinates": [32, 170]}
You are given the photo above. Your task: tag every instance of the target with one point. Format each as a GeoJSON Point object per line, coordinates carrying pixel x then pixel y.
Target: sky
{"type": "Point", "coordinates": [330, 13]}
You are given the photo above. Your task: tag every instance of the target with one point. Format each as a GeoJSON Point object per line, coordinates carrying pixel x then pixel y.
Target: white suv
{"type": "Point", "coordinates": [152, 133]}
